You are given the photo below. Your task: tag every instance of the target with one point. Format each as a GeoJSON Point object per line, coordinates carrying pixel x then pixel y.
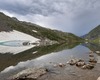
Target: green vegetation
{"type": "Point", "coordinates": [9, 24]}
{"type": "Point", "coordinates": [94, 35]}
{"type": "Point", "coordinates": [97, 40]}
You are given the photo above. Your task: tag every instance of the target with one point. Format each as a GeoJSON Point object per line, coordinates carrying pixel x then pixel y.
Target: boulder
{"type": "Point", "coordinates": [91, 55]}
{"type": "Point", "coordinates": [98, 52]}
{"type": "Point", "coordinates": [87, 66]}
{"type": "Point", "coordinates": [55, 65]}
{"type": "Point", "coordinates": [98, 78]}
{"type": "Point", "coordinates": [72, 61]}
{"type": "Point", "coordinates": [84, 67]}
{"type": "Point", "coordinates": [92, 60]}
{"type": "Point", "coordinates": [90, 66]}
{"type": "Point", "coordinates": [31, 73]}
{"type": "Point", "coordinates": [61, 65]}
{"type": "Point", "coordinates": [80, 63]}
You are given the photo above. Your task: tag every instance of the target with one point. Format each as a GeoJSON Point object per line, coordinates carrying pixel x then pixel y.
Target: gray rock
{"type": "Point", "coordinates": [92, 59]}
{"type": "Point", "coordinates": [80, 64]}
{"type": "Point", "coordinates": [31, 73]}
{"type": "Point", "coordinates": [84, 67]}
{"type": "Point", "coordinates": [91, 52]}
{"type": "Point", "coordinates": [98, 52]}
{"type": "Point", "coordinates": [72, 61]}
{"type": "Point", "coordinates": [98, 78]}
{"type": "Point", "coordinates": [88, 66]}
{"type": "Point", "coordinates": [61, 65]}
{"type": "Point", "coordinates": [91, 55]}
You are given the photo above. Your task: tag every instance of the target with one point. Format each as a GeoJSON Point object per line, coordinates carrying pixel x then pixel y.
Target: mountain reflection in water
{"type": "Point", "coordinates": [93, 47]}
{"type": "Point", "coordinates": [8, 59]}
{"type": "Point", "coordinates": [44, 55]}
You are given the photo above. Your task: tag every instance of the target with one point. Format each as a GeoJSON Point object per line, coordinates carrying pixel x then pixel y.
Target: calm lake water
{"type": "Point", "coordinates": [11, 63]}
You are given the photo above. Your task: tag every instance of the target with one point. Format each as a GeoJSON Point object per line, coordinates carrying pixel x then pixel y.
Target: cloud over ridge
{"type": "Point", "coordinates": [76, 16]}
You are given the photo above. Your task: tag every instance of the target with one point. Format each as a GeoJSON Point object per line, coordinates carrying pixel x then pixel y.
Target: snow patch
{"type": "Point", "coordinates": [34, 52]}
{"type": "Point", "coordinates": [16, 35]}
{"type": "Point", "coordinates": [34, 31]}
{"type": "Point", "coordinates": [11, 42]}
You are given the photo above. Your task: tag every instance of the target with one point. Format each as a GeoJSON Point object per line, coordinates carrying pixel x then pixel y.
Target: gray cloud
{"type": "Point", "coordinates": [76, 16]}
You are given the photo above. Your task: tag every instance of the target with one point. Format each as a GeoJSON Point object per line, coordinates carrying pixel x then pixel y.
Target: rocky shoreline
{"type": "Point", "coordinates": [58, 73]}
{"type": "Point", "coordinates": [74, 69]}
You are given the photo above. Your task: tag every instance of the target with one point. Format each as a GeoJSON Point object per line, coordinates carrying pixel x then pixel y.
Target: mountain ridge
{"type": "Point", "coordinates": [8, 24]}
{"type": "Point", "coordinates": [93, 35]}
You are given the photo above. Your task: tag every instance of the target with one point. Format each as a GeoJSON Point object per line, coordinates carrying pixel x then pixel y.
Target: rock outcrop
{"type": "Point", "coordinates": [29, 74]}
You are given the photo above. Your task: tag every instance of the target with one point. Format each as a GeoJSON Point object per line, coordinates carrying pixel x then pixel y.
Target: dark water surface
{"type": "Point", "coordinates": [11, 63]}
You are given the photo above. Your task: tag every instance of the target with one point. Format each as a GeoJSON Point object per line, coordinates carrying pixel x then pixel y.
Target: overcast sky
{"type": "Point", "coordinates": [75, 16]}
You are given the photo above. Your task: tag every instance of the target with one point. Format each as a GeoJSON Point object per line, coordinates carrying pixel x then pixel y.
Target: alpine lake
{"type": "Point", "coordinates": [18, 58]}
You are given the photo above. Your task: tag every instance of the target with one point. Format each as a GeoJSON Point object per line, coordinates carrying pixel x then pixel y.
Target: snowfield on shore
{"type": "Point", "coordinates": [16, 35]}
{"type": "Point", "coordinates": [11, 42]}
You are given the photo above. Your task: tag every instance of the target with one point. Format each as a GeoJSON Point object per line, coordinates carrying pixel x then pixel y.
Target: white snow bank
{"type": "Point", "coordinates": [34, 31]}
{"type": "Point", "coordinates": [16, 35]}
{"type": "Point", "coordinates": [34, 52]}
{"type": "Point", "coordinates": [15, 38]}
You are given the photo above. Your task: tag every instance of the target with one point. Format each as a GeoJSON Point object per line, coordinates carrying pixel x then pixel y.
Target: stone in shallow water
{"type": "Point", "coordinates": [92, 60]}
{"type": "Point", "coordinates": [72, 61]}
{"type": "Point", "coordinates": [61, 65]}
{"type": "Point", "coordinates": [78, 64]}
{"type": "Point", "coordinates": [97, 51]}
{"type": "Point", "coordinates": [91, 55]}
{"type": "Point", "coordinates": [84, 67]}
{"type": "Point", "coordinates": [87, 66]}
{"type": "Point", "coordinates": [98, 78]}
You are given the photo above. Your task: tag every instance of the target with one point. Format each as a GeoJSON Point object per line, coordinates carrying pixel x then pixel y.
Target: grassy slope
{"type": "Point", "coordinates": [95, 33]}
{"type": "Point", "coordinates": [8, 24]}
{"type": "Point", "coordinates": [97, 40]}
